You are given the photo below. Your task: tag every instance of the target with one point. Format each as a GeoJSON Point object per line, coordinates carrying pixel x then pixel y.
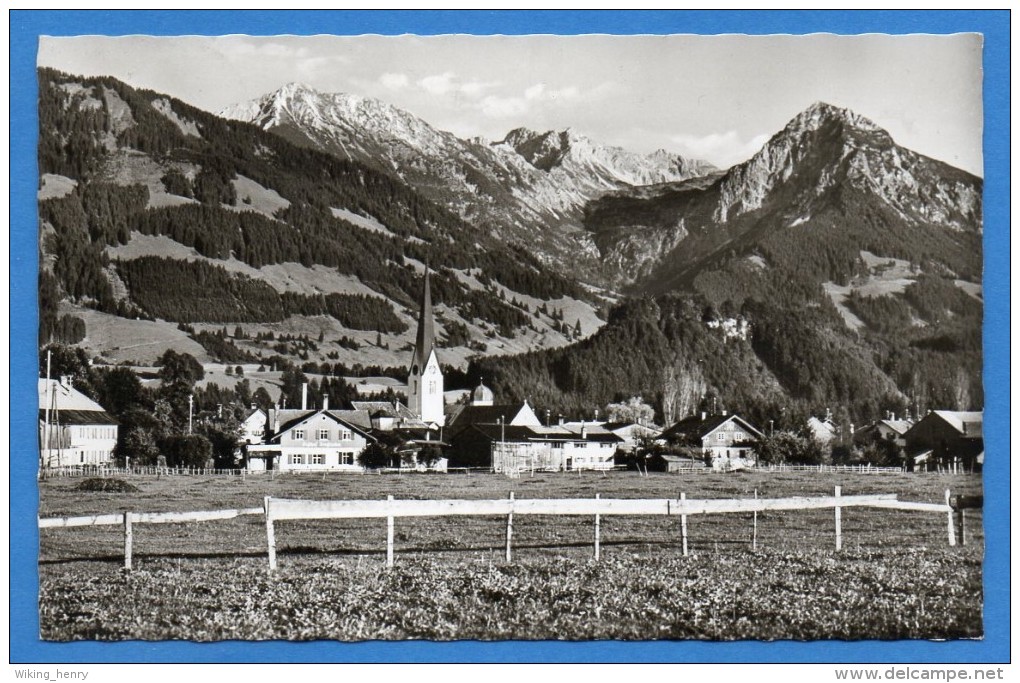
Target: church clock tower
{"type": "Point", "coordinates": [425, 377]}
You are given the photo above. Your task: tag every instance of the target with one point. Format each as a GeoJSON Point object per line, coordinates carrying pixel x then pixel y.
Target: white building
{"type": "Point", "coordinates": [308, 440]}
{"type": "Point", "coordinates": [73, 429]}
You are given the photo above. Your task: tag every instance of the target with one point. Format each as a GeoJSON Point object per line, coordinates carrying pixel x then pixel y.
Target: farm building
{"type": "Point", "coordinates": [73, 429]}
{"type": "Point", "coordinates": [947, 439]}
{"type": "Point", "coordinates": [727, 441]}
{"type": "Point", "coordinates": [557, 448]}
{"type": "Point", "coordinates": [302, 440]}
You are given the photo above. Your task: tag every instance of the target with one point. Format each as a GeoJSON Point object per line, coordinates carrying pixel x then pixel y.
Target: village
{"type": "Point", "coordinates": [428, 433]}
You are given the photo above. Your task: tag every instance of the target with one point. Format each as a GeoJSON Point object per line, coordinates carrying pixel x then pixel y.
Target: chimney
{"type": "Point", "coordinates": [724, 413]}
{"type": "Point", "coordinates": [596, 414]}
{"type": "Point", "coordinates": [325, 402]}
{"type": "Point", "coordinates": [304, 396]}
{"type": "Point", "coordinates": [584, 430]}
{"type": "Point", "coordinates": [703, 415]}
{"type": "Point", "coordinates": [65, 381]}
{"type": "Point", "coordinates": [561, 420]}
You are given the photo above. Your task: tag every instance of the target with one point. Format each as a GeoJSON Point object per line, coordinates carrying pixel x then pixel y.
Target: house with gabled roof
{"type": "Point", "coordinates": [949, 439]}
{"type": "Point", "coordinates": [727, 442]}
{"type": "Point", "coordinates": [309, 440]}
{"type": "Point", "coordinates": [73, 429]}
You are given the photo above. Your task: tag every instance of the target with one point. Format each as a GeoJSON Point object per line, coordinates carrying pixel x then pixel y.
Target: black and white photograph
{"type": "Point", "coordinates": [520, 337]}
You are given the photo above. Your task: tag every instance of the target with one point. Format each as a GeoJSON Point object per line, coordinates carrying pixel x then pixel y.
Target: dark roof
{"type": "Point", "coordinates": [302, 416]}
{"type": "Point", "coordinates": [480, 415]}
{"type": "Point", "coordinates": [79, 417]}
{"type": "Point", "coordinates": [693, 428]}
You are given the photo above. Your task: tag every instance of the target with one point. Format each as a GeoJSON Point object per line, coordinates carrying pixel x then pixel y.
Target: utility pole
{"type": "Point", "coordinates": [191, 408]}
{"type": "Point", "coordinates": [45, 445]}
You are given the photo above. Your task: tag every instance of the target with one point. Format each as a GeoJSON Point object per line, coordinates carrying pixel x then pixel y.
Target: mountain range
{"type": "Point", "coordinates": [855, 261]}
{"type": "Point", "coordinates": [530, 187]}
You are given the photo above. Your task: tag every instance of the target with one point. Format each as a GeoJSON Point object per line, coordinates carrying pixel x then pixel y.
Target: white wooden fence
{"type": "Point", "coordinates": [281, 509]}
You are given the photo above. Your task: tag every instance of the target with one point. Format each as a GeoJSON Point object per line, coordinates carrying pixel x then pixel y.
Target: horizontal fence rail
{"type": "Point", "coordinates": [283, 509]}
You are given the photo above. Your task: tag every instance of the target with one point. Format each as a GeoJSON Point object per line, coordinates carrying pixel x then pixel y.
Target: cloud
{"type": "Point", "coordinates": [503, 107]}
{"type": "Point", "coordinates": [394, 81]}
{"type": "Point", "coordinates": [439, 84]}
{"type": "Point", "coordinates": [722, 149]}
{"type": "Point", "coordinates": [247, 48]}
{"type": "Point", "coordinates": [448, 83]}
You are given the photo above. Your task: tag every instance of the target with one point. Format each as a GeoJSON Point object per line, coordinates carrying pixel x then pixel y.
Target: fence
{"type": "Point", "coordinates": [111, 471]}
{"type": "Point", "coordinates": [279, 509]}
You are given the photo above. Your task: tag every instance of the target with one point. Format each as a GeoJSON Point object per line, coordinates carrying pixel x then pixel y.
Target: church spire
{"type": "Point", "coordinates": [425, 340]}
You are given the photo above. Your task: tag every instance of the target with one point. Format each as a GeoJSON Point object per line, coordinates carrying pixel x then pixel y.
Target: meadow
{"type": "Point", "coordinates": [896, 576]}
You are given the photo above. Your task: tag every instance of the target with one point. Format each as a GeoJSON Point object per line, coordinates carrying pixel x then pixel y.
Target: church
{"type": "Point", "coordinates": [425, 377]}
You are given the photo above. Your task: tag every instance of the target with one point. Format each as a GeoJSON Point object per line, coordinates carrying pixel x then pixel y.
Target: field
{"type": "Point", "coordinates": [895, 578]}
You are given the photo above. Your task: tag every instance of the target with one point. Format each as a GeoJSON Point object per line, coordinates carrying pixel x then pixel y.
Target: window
{"type": "Point", "coordinates": [346, 458]}
{"type": "Point", "coordinates": [345, 435]}
{"type": "Point", "coordinates": [720, 436]}
{"type": "Point", "coordinates": [323, 435]}
{"type": "Point", "coordinates": [296, 459]}
{"type": "Point", "coordinates": [738, 436]}
{"type": "Point", "coordinates": [318, 459]}
{"type": "Point", "coordinates": [432, 387]}
{"type": "Point", "coordinates": [557, 444]}
{"type": "Point", "coordinates": [299, 435]}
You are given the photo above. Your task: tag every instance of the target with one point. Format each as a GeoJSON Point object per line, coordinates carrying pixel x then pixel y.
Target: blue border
{"type": "Point", "coordinates": [26, 26]}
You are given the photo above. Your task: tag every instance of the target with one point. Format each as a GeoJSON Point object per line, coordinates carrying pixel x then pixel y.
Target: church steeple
{"type": "Point", "coordinates": [425, 376]}
{"type": "Point", "coordinates": [425, 340]}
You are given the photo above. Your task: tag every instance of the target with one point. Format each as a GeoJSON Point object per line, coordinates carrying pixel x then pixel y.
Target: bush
{"type": "Point", "coordinates": [192, 450]}
{"type": "Point", "coordinates": [97, 485]}
{"type": "Point", "coordinates": [375, 456]}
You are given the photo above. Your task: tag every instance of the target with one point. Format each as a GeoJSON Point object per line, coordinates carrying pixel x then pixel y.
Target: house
{"type": "Point", "coordinates": [631, 433]}
{"type": "Point", "coordinates": [518, 415]}
{"type": "Point", "coordinates": [948, 439]}
{"type": "Point", "coordinates": [253, 428]}
{"type": "Point", "coordinates": [505, 447]}
{"type": "Point", "coordinates": [889, 429]}
{"type": "Point", "coordinates": [725, 441]}
{"type": "Point", "coordinates": [309, 440]}
{"type": "Point", "coordinates": [386, 416]}
{"type": "Point", "coordinates": [73, 429]}
{"type": "Point", "coordinates": [824, 430]}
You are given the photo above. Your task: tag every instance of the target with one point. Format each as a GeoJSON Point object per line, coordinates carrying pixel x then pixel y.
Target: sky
{"type": "Point", "coordinates": [717, 98]}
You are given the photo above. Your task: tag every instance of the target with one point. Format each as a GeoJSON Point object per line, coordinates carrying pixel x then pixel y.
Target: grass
{"type": "Point", "coordinates": [896, 577]}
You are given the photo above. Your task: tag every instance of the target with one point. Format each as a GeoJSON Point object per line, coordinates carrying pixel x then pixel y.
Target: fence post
{"type": "Point", "coordinates": [754, 526]}
{"type": "Point", "coordinates": [389, 537]}
{"type": "Point", "coordinates": [952, 527]}
{"type": "Point", "coordinates": [128, 540]}
{"type": "Point", "coordinates": [510, 528]}
{"type": "Point", "coordinates": [270, 535]}
{"type": "Point", "coordinates": [683, 521]}
{"type": "Point", "coordinates": [598, 520]}
{"type": "Point", "coordinates": [961, 530]}
{"type": "Point", "coordinates": [839, 522]}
